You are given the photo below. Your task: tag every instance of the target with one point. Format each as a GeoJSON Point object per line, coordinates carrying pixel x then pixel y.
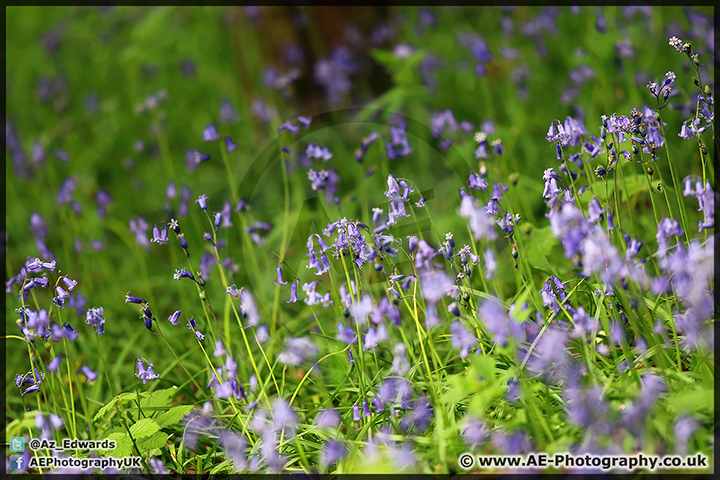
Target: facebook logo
{"type": "Point", "coordinates": [17, 462]}
{"type": "Point", "coordinates": [17, 444]}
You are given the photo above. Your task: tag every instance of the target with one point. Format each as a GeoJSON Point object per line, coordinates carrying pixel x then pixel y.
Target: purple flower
{"type": "Point", "coordinates": [297, 350]}
{"type": "Point", "coordinates": [398, 146]}
{"type": "Point", "coordinates": [434, 285]}
{"type": "Point", "coordinates": [462, 338]}
{"type": "Point", "coordinates": [511, 443]}
{"type": "Point", "coordinates": [249, 308]}
{"type": "Point", "coordinates": [481, 224]}
{"type": "Point", "coordinates": [551, 187]}
{"type": "Point", "coordinates": [420, 416]}
{"type": "Point", "coordinates": [210, 133]}
{"type": "Point", "coordinates": [586, 407]}
{"type": "Point", "coordinates": [160, 237]}
{"type": "Point", "coordinates": [193, 327]}
{"type": "Point", "coordinates": [549, 354]}
{"type": "Point", "coordinates": [684, 429]}
{"type": "Point", "coordinates": [182, 273]}
{"type": "Point", "coordinates": [227, 112]}
{"type": "Point", "coordinates": [158, 466]}
{"type": "Point", "coordinates": [132, 299]}
{"type": "Point", "coordinates": [96, 318]}
{"type": "Point", "coordinates": [666, 228]}
{"type": "Point", "coordinates": [234, 445]}
{"type": "Point", "coordinates": [193, 158]}
{"type": "Point", "coordinates": [280, 280]}
{"type": "Point", "coordinates": [327, 418]}
{"type": "Point", "coordinates": [54, 364]}
{"type": "Point", "coordinates": [293, 292]}
{"type": "Point", "coordinates": [499, 323]}
{"type": "Point", "coordinates": [174, 317]}
{"type": "Point", "coordinates": [332, 451]}
{"type": "Point", "coordinates": [202, 201]}
{"type": "Point", "coordinates": [144, 373]}
{"type": "Point", "coordinates": [229, 144]}
{"type": "Point", "coordinates": [474, 431]}
{"type": "Point", "coordinates": [89, 374]}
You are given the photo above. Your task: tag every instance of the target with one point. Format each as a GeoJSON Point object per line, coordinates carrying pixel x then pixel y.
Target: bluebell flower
{"type": "Point", "coordinates": [293, 129]}
{"type": "Point", "coordinates": [96, 318]}
{"type": "Point", "coordinates": [683, 428]}
{"type": "Point", "coordinates": [173, 318]}
{"type": "Point", "coordinates": [398, 146]}
{"type": "Point", "coordinates": [234, 445]}
{"type": "Point", "coordinates": [297, 350]}
{"type": "Point", "coordinates": [89, 374]}
{"type": "Point", "coordinates": [193, 158]}
{"type": "Point", "coordinates": [280, 280]}
{"type": "Point", "coordinates": [144, 373]}
{"type": "Point", "coordinates": [293, 292]}
{"type": "Point", "coordinates": [667, 228]}
{"type": "Point", "coordinates": [249, 308]}
{"type": "Point", "coordinates": [160, 237]}
{"type": "Point", "coordinates": [499, 323]}
{"type": "Point", "coordinates": [54, 363]}
{"type": "Point", "coordinates": [232, 290]}
{"type": "Point", "coordinates": [133, 299]}
{"type": "Point", "coordinates": [462, 338]}
{"type": "Point", "coordinates": [230, 145]}
{"type": "Point", "coordinates": [210, 133]}
{"type": "Point", "coordinates": [228, 113]}
{"type": "Point", "coordinates": [202, 201]}
{"type": "Point", "coordinates": [193, 327]}
{"type": "Point", "coordinates": [158, 466]}
{"type": "Point", "coordinates": [182, 273]}
{"type": "Point", "coordinates": [332, 451]}
{"type": "Point", "coordinates": [480, 223]}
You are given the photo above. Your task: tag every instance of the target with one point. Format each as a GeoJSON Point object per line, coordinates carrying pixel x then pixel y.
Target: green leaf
{"type": "Point", "coordinates": [173, 416]}
{"type": "Point", "coordinates": [692, 401]}
{"type": "Point", "coordinates": [157, 440]}
{"type": "Point", "coordinates": [144, 428]}
{"type": "Point", "coordinates": [157, 398]}
{"type": "Point", "coordinates": [124, 397]}
{"type": "Point", "coordinates": [484, 366]}
{"type": "Point", "coordinates": [117, 436]}
{"type": "Point", "coordinates": [123, 448]}
{"type": "Point", "coordinates": [539, 243]}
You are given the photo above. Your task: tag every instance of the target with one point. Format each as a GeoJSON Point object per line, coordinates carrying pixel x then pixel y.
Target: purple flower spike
{"type": "Point", "coordinates": [202, 201]}
{"type": "Point", "coordinates": [280, 280]}
{"type": "Point", "coordinates": [96, 318]}
{"type": "Point", "coordinates": [89, 374]}
{"type": "Point", "coordinates": [132, 299]}
{"type": "Point", "coordinates": [160, 237]}
{"type": "Point", "coordinates": [293, 292]}
{"type": "Point", "coordinates": [229, 144]}
{"type": "Point", "coordinates": [328, 418]}
{"type": "Point", "coordinates": [54, 364]}
{"type": "Point", "coordinates": [210, 133]}
{"type": "Point", "coordinates": [462, 339]}
{"type": "Point", "coordinates": [143, 373]}
{"type": "Point", "coordinates": [174, 317]}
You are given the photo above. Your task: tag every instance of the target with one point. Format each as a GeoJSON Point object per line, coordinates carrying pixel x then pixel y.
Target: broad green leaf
{"type": "Point", "coordinates": [124, 397]}
{"type": "Point", "coordinates": [144, 428]}
{"type": "Point", "coordinates": [159, 398]}
{"type": "Point", "coordinates": [173, 416]}
{"type": "Point", "coordinates": [484, 365]}
{"type": "Point", "coordinates": [123, 448]}
{"type": "Point", "coordinates": [157, 440]}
